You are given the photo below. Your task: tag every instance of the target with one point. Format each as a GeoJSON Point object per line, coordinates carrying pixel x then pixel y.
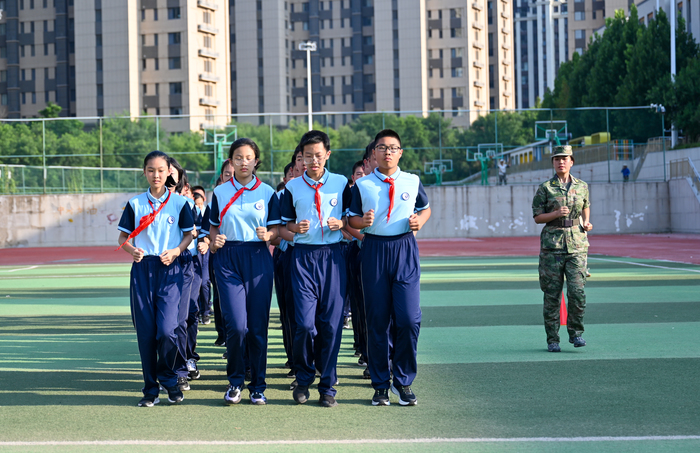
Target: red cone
{"type": "Point", "coordinates": [562, 310]}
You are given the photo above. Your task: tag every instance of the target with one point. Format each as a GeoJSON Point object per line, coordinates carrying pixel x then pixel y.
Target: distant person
{"type": "Point", "coordinates": [563, 204]}
{"type": "Point", "coordinates": [484, 160]}
{"type": "Point", "coordinates": [502, 168]}
{"type": "Point", "coordinates": [625, 173]}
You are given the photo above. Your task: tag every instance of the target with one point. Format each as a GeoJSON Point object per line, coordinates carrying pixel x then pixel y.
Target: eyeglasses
{"type": "Point", "coordinates": [239, 161]}
{"type": "Point", "coordinates": [388, 149]}
{"type": "Point", "coordinates": [311, 160]}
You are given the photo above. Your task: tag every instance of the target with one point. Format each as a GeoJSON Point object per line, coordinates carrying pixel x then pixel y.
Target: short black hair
{"type": "Point", "coordinates": [181, 176]}
{"type": "Point", "coordinates": [313, 137]}
{"type": "Point", "coordinates": [223, 166]}
{"type": "Point", "coordinates": [218, 181]}
{"type": "Point", "coordinates": [288, 167]}
{"type": "Point", "coordinates": [245, 142]}
{"type": "Point", "coordinates": [297, 150]}
{"type": "Point", "coordinates": [358, 164]}
{"type": "Point", "coordinates": [387, 133]}
{"type": "Point", "coordinates": [153, 155]}
{"type": "Point", "coordinates": [197, 196]}
{"type": "Point", "coordinates": [193, 188]}
{"type": "Point", "coordinates": [280, 186]}
{"type": "Point", "coordinates": [368, 151]}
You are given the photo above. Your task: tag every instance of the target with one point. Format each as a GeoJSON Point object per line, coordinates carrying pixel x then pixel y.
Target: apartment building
{"type": "Point", "coordinates": [689, 10]}
{"type": "Point", "coordinates": [37, 60]}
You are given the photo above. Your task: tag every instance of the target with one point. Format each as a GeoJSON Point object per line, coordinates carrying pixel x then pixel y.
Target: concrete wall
{"type": "Point", "coordinates": [684, 207]}
{"type": "Point", "coordinates": [458, 212]}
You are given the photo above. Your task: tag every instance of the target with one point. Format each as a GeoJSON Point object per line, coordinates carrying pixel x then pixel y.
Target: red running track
{"type": "Point", "coordinates": [682, 248]}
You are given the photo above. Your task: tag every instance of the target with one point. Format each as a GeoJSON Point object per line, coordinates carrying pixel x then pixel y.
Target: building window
{"type": "Point", "coordinates": [457, 72]}
{"type": "Point", "coordinates": [455, 32]}
{"type": "Point", "coordinates": [580, 15]}
{"type": "Point", "coordinates": [155, 14]}
{"type": "Point", "coordinates": [580, 34]}
{"type": "Point", "coordinates": [98, 40]}
{"type": "Point", "coordinates": [98, 64]}
{"type": "Point", "coordinates": [174, 13]}
{"type": "Point", "coordinates": [174, 63]}
{"type": "Point", "coordinates": [207, 17]}
{"type": "Point", "coordinates": [100, 90]}
{"type": "Point", "coordinates": [174, 38]}
{"type": "Point", "coordinates": [176, 88]}
{"type": "Point", "coordinates": [98, 15]}
{"type": "Point", "coordinates": [176, 110]}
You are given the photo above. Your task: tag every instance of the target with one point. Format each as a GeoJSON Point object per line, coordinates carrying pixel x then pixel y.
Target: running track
{"type": "Point", "coordinates": [671, 247]}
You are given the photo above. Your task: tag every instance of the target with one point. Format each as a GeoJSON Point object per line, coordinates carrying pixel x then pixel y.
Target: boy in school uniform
{"type": "Point", "coordinates": [200, 200]}
{"type": "Point", "coordinates": [389, 205]}
{"type": "Point", "coordinates": [314, 206]}
{"type": "Point", "coordinates": [160, 224]}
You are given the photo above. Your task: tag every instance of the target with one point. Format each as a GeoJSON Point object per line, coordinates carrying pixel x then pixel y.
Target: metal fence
{"type": "Point", "coordinates": [89, 155]}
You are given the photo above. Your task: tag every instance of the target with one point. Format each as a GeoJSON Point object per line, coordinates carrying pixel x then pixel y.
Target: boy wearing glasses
{"type": "Point", "coordinates": [389, 205]}
{"type": "Point", "coordinates": [314, 207]}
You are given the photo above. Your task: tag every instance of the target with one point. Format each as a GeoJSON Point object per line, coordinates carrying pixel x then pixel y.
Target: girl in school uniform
{"type": "Point", "coordinates": [244, 216]}
{"type": "Point", "coordinates": [155, 229]}
{"type": "Point", "coordinates": [186, 362]}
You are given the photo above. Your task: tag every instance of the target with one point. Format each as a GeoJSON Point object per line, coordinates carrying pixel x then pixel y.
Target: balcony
{"type": "Point", "coordinates": [204, 28]}
{"type": "Point", "coordinates": [506, 62]}
{"type": "Point", "coordinates": [477, 5]}
{"type": "Point", "coordinates": [506, 78]}
{"type": "Point", "coordinates": [505, 31]}
{"type": "Point", "coordinates": [479, 84]}
{"type": "Point", "coordinates": [434, 63]}
{"type": "Point", "coordinates": [208, 77]}
{"type": "Point", "coordinates": [478, 64]}
{"type": "Point", "coordinates": [208, 53]}
{"type": "Point", "coordinates": [206, 126]}
{"type": "Point", "coordinates": [478, 45]}
{"type": "Point", "coordinates": [207, 5]}
{"type": "Point", "coordinates": [507, 94]}
{"type": "Point", "coordinates": [210, 102]}
{"type": "Point", "coordinates": [477, 25]}
{"type": "Point", "coordinates": [435, 24]}
{"type": "Point", "coordinates": [479, 104]}
{"type": "Point", "coordinates": [505, 15]}
{"type": "Point", "coordinates": [505, 47]}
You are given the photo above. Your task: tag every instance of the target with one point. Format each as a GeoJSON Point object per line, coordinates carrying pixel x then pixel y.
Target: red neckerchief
{"type": "Point", "coordinates": [317, 200]}
{"type": "Point", "coordinates": [146, 220]}
{"type": "Point", "coordinates": [389, 181]}
{"type": "Point", "coordinates": [235, 197]}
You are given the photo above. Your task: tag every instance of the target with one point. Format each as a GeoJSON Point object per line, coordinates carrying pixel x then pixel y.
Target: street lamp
{"type": "Point", "coordinates": [309, 46]}
{"type": "Point", "coordinates": [662, 110]}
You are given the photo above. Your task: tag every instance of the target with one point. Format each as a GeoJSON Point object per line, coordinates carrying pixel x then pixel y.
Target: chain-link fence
{"type": "Point", "coordinates": [74, 155]}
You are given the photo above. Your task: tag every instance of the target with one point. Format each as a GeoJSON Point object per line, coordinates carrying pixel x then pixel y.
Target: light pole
{"type": "Point", "coordinates": [309, 46]}
{"type": "Point", "coordinates": [662, 110]}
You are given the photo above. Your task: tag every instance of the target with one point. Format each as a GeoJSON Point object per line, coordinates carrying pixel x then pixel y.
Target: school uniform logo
{"type": "Point", "coordinates": [334, 202]}
{"type": "Point", "coordinates": [259, 205]}
{"type": "Point", "coordinates": [171, 220]}
{"type": "Point", "coordinates": [404, 196]}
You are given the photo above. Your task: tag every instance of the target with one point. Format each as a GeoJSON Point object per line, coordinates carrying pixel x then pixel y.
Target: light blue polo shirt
{"type": "Point", "coordinates": [204, 230]}
{"type": "Point", "coordinates": [167, 229]}
{"type": "Point", "coordinates": [195, 214]}
{"type": "Point", "coordinates": [298, 204]}
{"type": "Point", "coordinates": [371, 192]}
{"type": "Point", "coordinates": [252, 209]}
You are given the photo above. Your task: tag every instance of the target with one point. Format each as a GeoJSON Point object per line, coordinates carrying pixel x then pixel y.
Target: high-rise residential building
{"type": "Point", "coordinates": [542, 44]}
{"type": "Point", "coordinates": [100, 58]}
{"type": "Point", "coordinates": [689, 10]}
{"type": "Point", "coordinates": [37, 57]}
{"type": "Point", "coordinates": [212, 58]}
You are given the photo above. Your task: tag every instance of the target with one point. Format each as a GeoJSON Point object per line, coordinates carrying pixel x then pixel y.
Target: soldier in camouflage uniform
{"type": "Point", "coordinates": [562, 203]}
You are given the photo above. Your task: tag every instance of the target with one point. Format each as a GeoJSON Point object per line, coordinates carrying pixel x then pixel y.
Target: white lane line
{"type": "Point", "coordinates": [355, 441]}
{"type": "Point", "coordinates": [22, 269]}
{"type": "Point", "coordinates": [647, 265]}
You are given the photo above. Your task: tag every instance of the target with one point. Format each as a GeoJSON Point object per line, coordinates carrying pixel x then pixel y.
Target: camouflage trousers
{"type": "Point", "coordinates": [553, 268]}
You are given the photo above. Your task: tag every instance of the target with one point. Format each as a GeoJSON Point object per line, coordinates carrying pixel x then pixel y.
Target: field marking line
{"type": "Point", "coordinates": [353, 441]}
{"type": "Point", "coordinates": [22, 269]}
{"type": "Point", "coordinates": [647, 265]}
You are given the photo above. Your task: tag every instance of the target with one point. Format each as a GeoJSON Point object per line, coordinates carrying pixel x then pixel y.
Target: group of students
{"type": "Point", "coordinates": [341, 247]}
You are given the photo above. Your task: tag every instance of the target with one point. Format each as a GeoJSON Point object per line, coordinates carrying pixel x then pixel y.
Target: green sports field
{"type": "Point", "coordinates": [70, 372]}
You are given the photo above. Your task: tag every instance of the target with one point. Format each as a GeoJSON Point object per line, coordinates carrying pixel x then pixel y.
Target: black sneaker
{"type": "Point", "coordinates": [381, 397]}
{"type": "Point", "coordinates": [148, 401]}
{"type": "Point", "coordinates": [291, 374]}
{"type": "Point", "coordinates": [258, 398]}
{"type": "Point", "coordinates": [225, 356]}
{"type": "Point", "coordinates": [193, 372]}
{"type": "Point", "coordinates": [206, 320]}
{"type": "Point", "coordinates": [287, 364]}
{"type": "Point", "coordinates": [361, 362]}
{"type": "Point", "coordinates": [220, 342]}
{"type": "Point", "coordinates": [405, 394]}
{"type": "Point", "coordinates": [301, 394]}
{"type": "Point", "coordinates": [175, 394]}
{"type": "Point", "coordinates": [365, 374]}
{"type": "Point", "coordinates": [183, 384]}
{"type": "Point", "coordinates": [327, 401]}
{"type": "Point", "coordinates": [232, 395]}
{"type": "Point", "coordinates": [578, 342]}
{"type": "Point", "coordinates": [293, 385]}
{"type": "Point", "coordinates": [357, 353]}
{"type": "Point", "coordinates": [553, 347]}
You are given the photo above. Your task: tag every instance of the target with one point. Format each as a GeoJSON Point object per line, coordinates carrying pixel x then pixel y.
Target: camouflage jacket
{"type": "Point", "coordinates": [550, 196]}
